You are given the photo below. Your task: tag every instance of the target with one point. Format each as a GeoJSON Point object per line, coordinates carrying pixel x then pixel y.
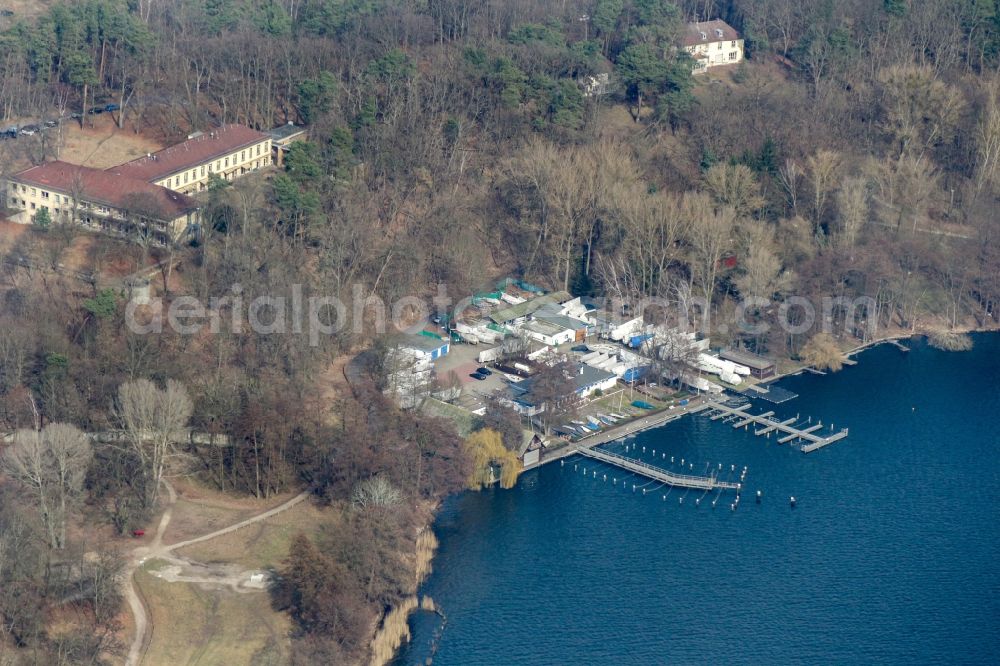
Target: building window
{"type": "Point", "coordinates": [24, 189]}
{"type": "Point", "coordinates": [185, 176]}
{"type": "Point", "coordinates": [202, 170]}
{"type": "Point", "coordinates": [258, 150]}
{"type": "Point", "coordinates": [243, 156]}
{"type": "Point", "coordinates": [34, 192]}
{"type": "Point", "coordinates": [733, 44]}
{"type": "Point", "coordinates": [732, 55]}
{"type": "Point", "coordinates": [32, 206]}
{"type": "Point", "coordinates": [45, 195]}
{"type": "Point", "coordinates": [227, 162]}
{"type": "Point", "coordinates": [719, 46]}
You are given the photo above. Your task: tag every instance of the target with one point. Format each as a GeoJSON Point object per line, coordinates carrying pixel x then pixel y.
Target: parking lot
{"type": "Point", "coordinates": [46, 125]}
{"type": "Point", "coordinates": [461, 360]}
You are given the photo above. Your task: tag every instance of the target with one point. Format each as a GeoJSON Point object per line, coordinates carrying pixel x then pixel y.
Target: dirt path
{"type": "Point", "coordinates": [156, 549]}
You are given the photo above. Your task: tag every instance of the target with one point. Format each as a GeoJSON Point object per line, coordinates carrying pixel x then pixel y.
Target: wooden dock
{"type": "Point", "coordinates": [658, 474]}
{"type": "Point", "coordinates": [810, 436]}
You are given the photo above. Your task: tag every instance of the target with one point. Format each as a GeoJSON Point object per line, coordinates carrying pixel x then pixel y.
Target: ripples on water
{"type": "Point", "coordinates": [890, 555]}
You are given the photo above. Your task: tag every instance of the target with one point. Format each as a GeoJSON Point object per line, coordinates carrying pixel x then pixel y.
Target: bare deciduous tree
{"type": "Point", "coordinates": [905, 186]}
{"type": "Point", "coordinates": [709, 235]}
{"type": "Point", "coordinates": [822, 170]}
{"type": "Point", "coordinates": [920, 109]}
{"type": "Point", "coordinates": [377, 491]}
{"type": "Point", "coordinates": [762, 275]}
{"type": "Point", "coordinates": [790, 175]}
{"type": "Point", "coordinates": [51, 463]}
{"type": "Point", "coordinates": [852, 210]}
{"type": "Point", "coordinates": [153, 421]}
{"type": "Point", "coordinates": [735, 186]}
{"type": "Point", "coordinates": [988, 139]}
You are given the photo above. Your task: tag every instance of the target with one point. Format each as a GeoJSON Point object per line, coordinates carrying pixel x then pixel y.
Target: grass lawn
{"type": "Point", "coordinates": [264, 544]}
{"type": "Point", "coordinates": [192, 625]}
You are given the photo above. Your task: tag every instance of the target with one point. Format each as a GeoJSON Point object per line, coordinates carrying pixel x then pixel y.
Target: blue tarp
{"type": "Point", "coordinates": [636, 340]}
{"type": "Point", "coordinates": [635, 374]}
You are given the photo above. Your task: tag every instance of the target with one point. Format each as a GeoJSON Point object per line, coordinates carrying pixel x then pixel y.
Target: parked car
{"type": "Point", "coordinates": [476, 375]}
{"type": "Point", "coordinates": [76, 115]}
{"type": "Point", "coordinates": [485, 372]}
{"type": "Point", "coordinates": [580, 348]}
{"type": "Point", "coordinates": [9, 132]}
{"type": "Point", "coordinates": [111, 107]}
{"type": "Point", "coordinates": [50, 123]}
{"type": "Point", "coordinates": [28, 130]}
{"type": "Point", "coordinates": [96, 110]}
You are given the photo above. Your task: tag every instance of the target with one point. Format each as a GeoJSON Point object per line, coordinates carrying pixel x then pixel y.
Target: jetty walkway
{"type": "Point", "coordinates": [657, 473]}
{"type": "Point", "coordinates": [743, 419]}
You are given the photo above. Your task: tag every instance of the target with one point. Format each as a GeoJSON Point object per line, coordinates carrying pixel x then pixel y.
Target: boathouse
{"type": "Point", "coordinates": [761, 367]}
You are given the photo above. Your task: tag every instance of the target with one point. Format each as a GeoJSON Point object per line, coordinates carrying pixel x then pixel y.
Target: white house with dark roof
{"type": "Point", "coordinates": [712, 44]}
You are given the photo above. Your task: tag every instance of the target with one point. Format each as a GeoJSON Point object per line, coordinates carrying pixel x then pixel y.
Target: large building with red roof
{"type": "Point", "coordinates": [148, 195]}
{"type": "Point", "coordinates": [102, 201]}
{"type": "Point", "coordinates": [229, 151]}
{"type": "Point", "coordinates": [712, 44]}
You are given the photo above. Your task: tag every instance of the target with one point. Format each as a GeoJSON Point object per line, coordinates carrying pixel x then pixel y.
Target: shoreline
{"type": "Point", "coordinates": [666, 415]}
{"type": "Point", "coordinates": [652, 420]}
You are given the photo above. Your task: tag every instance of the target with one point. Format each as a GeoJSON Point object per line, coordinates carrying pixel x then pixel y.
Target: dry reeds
{"type": "Point", "coordinates": [427, 544]}
{"type": "Point", "coordinates": [395, 631]}
{"type": "Point", "coordinates": [949, 341]}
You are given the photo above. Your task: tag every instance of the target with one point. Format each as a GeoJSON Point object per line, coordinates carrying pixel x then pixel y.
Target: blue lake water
{"type": "Point", "coordinates": [892, 554]}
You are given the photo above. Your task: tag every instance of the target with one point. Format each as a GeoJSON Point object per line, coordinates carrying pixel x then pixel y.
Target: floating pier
{"type": "Point", "coordinates": [658, 474]}
{"type": "Point", "coordinates": [809, 435]}
{"type": "Point", "coordinates": [772, 425]}
{"type": "Point", "coordinates": [788, 438]}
